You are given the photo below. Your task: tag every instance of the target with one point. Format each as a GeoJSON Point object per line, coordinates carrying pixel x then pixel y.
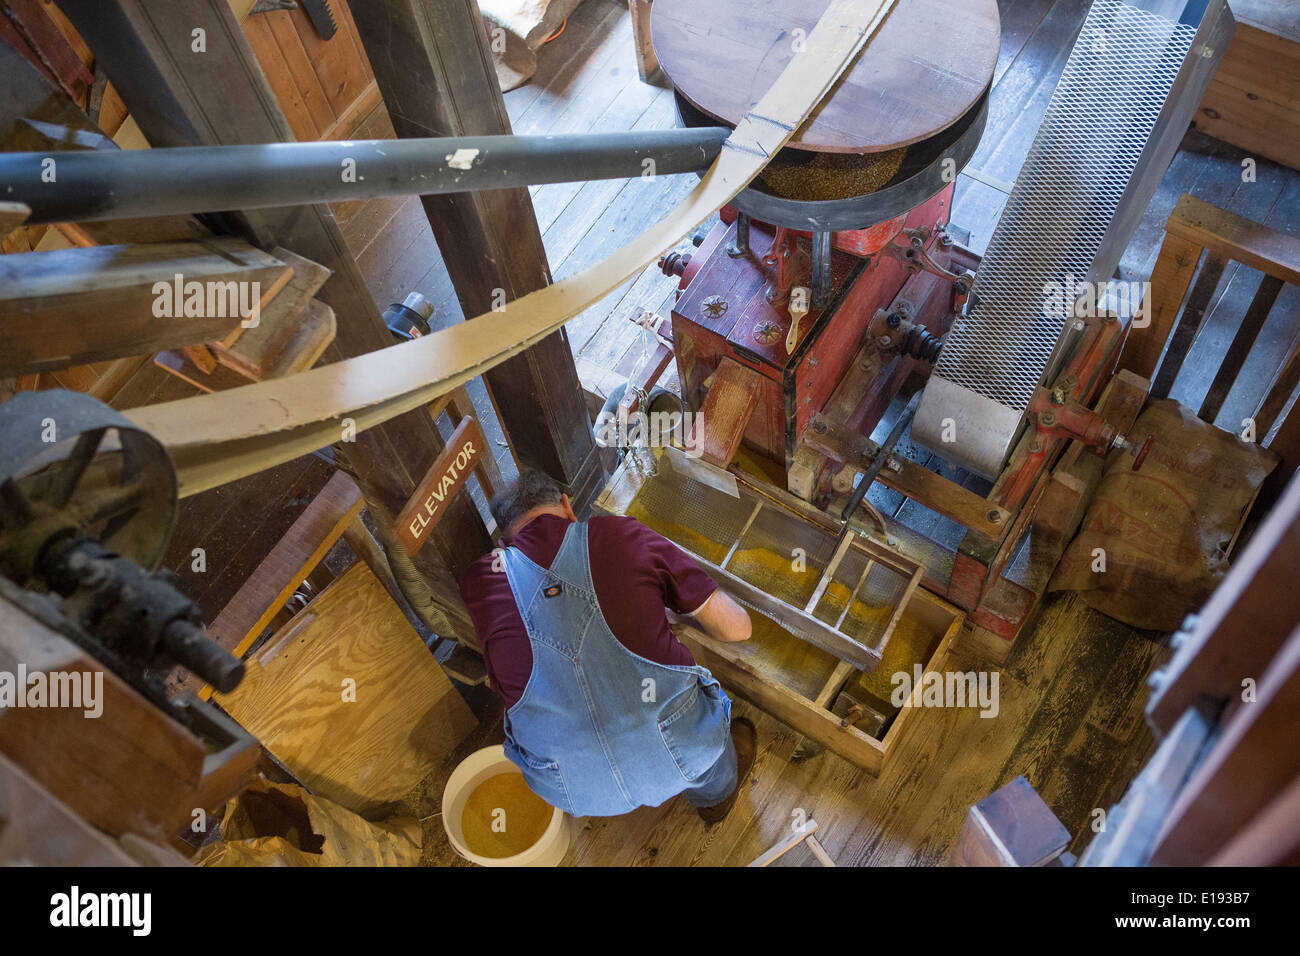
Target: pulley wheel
{"type": "Point", "coordinates": [74, 466]}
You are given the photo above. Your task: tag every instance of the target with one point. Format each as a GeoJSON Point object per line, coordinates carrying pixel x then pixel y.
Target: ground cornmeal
{"type": "Point", "coordinates": [502, 817]}
{"type": "Point", "coordinates": [826, 176]}
{"type": "Point", "coordinates": [909, 644]}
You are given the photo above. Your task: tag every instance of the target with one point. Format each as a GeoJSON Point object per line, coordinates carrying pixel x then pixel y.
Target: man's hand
{"type": "Point", "coordinates": [723, 619]}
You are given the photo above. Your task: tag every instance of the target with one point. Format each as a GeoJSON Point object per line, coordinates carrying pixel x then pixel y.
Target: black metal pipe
{"type": "Point", "coordinates": [89, 185]}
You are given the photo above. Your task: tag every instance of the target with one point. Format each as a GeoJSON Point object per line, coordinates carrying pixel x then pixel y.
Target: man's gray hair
{"type": "Point", "coordinates": [530, 490]}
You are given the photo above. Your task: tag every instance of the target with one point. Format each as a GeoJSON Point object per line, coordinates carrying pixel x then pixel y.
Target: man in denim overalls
{"type": "Point", "coordinates": [606, 710]}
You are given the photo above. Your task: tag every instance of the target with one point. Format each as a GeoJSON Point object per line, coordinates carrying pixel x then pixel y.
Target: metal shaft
{"type": "Point", "coordinates": [89, 185]}
{"type": "Point", "coordinates": [878, 462]}
{"type": "Point", "coordinates": [190, 647]}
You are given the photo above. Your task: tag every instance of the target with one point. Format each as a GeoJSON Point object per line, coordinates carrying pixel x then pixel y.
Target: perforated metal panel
{"type": "Point", "coordinates": [1132, 78]}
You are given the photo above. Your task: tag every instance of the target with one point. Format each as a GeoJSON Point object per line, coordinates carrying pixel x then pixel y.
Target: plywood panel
{"type": "Point", "coordinates": [361, 753]}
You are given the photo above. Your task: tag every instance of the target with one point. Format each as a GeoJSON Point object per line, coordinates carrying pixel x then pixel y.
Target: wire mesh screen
{"type": "Point", "coordinates": [783, 555]}
{"type": "Point", "coordinates": [699, 518]}
{"type": "Point", "coordinates": [1097, 125]}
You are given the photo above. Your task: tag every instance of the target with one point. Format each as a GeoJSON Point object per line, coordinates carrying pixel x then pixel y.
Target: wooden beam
{"type": "Point", "coordinates": [912, 479]}
{"type": "Point", "coordinates": [1250, 763]}
{"type": "Point", "coordinates": [1271, 839]}
{"type": "Point", "coordinates": [83, 305]}
{"type": "Point", "coordinates": [1230, 236]}
{"type": "Point", "coordinates": [1285, 443]}
{"type": "Point", "coordinates": [647, 63]}
{"type": "Point", "coordinates": [1280, 391]}
{"type": "Point", "coordinates": [434, 67]}
{"type": "Point", "coordinates": [1170, 280]}
{"type": "Point", "coordinates": [726, 412]}
{"type": "Point", "coordinates": [178, 363]}
{"type": "Point", "coordinates": [41, 830]}
{"type": "Point", "coordinates": [127, 768]}
{"type": "Point", "coordinates": [253, 353]}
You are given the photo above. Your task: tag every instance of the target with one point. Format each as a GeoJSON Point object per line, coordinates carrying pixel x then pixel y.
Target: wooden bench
{"type": "Point", "coordinates": [1178, 309]}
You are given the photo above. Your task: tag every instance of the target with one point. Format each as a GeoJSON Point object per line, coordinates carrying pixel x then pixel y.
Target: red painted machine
{"type": "Point", "coordinates": [829, 287]}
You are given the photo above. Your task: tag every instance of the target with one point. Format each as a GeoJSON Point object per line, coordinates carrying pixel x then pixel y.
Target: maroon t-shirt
{"type": "Point", "coordinates": [636, 574]}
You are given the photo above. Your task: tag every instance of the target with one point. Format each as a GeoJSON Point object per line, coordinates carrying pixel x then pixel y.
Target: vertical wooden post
{"type": "Point", "coordinates": [189, 77]}
{"type": "Point", "coordinates": [433, 63]}
{"type": "Point", "coordinates": [647, 63]}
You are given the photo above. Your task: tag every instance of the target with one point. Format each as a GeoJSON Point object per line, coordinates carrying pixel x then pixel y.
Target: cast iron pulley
{"type": "Point", "coordinates": [87, 504]}
{"type": "Point", "coordinates": [74, 466]}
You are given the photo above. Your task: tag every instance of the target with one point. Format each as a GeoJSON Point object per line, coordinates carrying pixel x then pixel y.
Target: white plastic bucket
{"type": "Point", "coordinates": [550, 848]}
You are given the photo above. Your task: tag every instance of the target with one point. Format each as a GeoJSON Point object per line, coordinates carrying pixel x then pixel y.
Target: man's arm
{"type": "Point", "coordinates": [723, 619]}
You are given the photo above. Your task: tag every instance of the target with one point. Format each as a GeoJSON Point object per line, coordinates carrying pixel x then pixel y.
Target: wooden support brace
{"type": "Point", "coordinates": [785, 846]}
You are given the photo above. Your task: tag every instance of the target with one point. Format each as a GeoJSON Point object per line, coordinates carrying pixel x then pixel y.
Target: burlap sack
{"type": "Point", "coordinates": [273, 824]}
{"type": "Point", "coordinates": [1152, 545]}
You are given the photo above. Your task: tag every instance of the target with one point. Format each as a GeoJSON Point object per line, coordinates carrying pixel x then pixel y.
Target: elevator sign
{"type": "Point", "coordinates": [441, 484]}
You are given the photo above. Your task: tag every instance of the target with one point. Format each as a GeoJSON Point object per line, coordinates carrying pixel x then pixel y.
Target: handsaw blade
{"type": "Point", "coordinates": [322, 17]}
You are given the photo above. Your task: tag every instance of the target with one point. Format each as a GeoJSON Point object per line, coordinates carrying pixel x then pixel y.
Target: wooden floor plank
{"type": "Point", "coordinates": [1021, 98]}
{"type": "Point", "coordinates": [593, 71]}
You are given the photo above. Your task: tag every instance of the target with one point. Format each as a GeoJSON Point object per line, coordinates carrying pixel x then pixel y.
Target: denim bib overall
{"type": "Point", "coordinates": [599, 730]}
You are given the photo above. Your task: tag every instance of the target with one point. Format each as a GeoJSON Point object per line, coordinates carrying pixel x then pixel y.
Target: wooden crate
{"type": "Point", "coordinates": [798, 680]}
{"type": "Point", "coordinates": [1254, 99]}
{"type": "Point", "coordinates": [777, 689]}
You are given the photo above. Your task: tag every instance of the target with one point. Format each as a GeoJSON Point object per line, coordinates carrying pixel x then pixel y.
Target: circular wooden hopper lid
{"type": "Point", "coordinates": [927, 65]}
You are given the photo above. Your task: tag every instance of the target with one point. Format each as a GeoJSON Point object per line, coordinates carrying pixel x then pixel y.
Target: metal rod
{"type": "Point", "coordinates": [739, 246]}
{"type": "Point", "coordinates": [878, 462]}
{"type": "Point", "coordinates": [821, 267]}
{"type": "Point", "coordinates": [90, 185]}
